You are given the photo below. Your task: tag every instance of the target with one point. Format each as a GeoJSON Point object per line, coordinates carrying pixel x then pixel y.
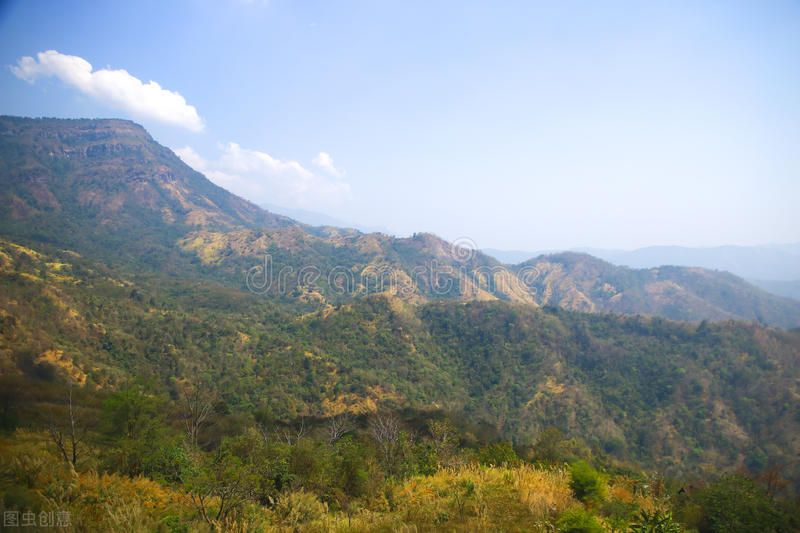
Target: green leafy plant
{"type": "Point", "coordinates": [656, 522]}
{"type": "Point", "coordinates": [578, 520]}
{"type": "Point", "coordinates": [587, 483]}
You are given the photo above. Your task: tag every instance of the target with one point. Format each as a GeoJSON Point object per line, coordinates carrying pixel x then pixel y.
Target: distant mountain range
{"type": "Point", "coordinates": [774, 268]}
{"type": "Point", "coordinates": [106, 189]}
{"type": "Point", "coordinates": [780, 262]}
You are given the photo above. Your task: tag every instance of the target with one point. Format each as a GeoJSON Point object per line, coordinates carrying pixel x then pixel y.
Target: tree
{"type": "Point", "coordinates": [132, 422]}
{"type": "Point", "coordinates": [548, 446]}
{"type": "Point", "coordinates": [197, 406]}
{"type": "Point", "coordinates": [462, 490]}
{"type": "Point", "coordinates": [384, 428]}
{"type": "Point", "coordinates": [291, 434]}
{"type": "Point", "coordinates": [68, 439]}
{"type": "Point", "coordinates": [228, 475]}
{"type": "Point", "coordinates": [338, 426]}
{"type": "Point", "coordinates": [498, 453]}
{"type": "Point", "coordinates": [131, 414]}
{"type": "Point", "coordinates": [736, 504]}
{"type": "Point", "coordinates": [444, 440]}
{"type": "Point", "coordinates": [587, 484]}
{"type": "Point", "coordinates": [578, 520]}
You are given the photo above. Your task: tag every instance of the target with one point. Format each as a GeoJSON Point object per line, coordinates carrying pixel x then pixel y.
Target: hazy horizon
{"type": "Point", "coordinates": [320, 218]}
{"type": "Point", "coordinates": [522, 127]}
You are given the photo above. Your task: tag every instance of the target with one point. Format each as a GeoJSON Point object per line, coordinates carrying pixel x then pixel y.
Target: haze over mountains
{"type": "Point", "coordinates": [105, 187]}
{"type": "Point", "coordinates": [777, 262]}
{"type": "Point", "coordinates": [773, 268]}
{"type": "Point", "coordinates": [314, 218]}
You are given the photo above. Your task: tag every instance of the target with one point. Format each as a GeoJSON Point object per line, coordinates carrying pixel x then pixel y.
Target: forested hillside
{"type": "Point", "coordinates": [220, 396]}
{"type": "Point", "coordinates": [685, 397]}
{"type": "Point", "coordinates": [173, 358]}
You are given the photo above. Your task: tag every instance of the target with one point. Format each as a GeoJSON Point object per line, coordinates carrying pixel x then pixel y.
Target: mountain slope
{"type": "Point", "coordinates": [106, 189]}
{"type": "Point", "coordinates": [90, 184]}
{"type": "Point", "coordinates": [682, 397]}
{"type": "Point", "coordinates": [581, 282]}
{"type": "Point", "coordinates": [787, 289]}
{"type": "Point", "coordinates": [779, 262]}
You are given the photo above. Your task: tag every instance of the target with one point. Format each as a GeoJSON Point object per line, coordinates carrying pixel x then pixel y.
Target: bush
{"type": "Point", "coordinates": [498, 454]}
{"type": "Point", "coordinates": [737, 504]}
{"type": "Point", "coordinates": [656, 522]}
{"type": "Point", "coordinates": [299, 507]}
{"type": "Point", "coordinates": [578, 520]}
{"type": "Point", "coordinates": [587, 483]}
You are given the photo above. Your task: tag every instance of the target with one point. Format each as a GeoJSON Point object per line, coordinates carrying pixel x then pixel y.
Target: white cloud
{"type": "Point", "coordinates": [115, 88]}
{"type": "Point", "coordinates": [325, 162]}
{"type": "Point", "coordinates": [191, 158]}
{"type": "Point", "coordinates": [262, 179]}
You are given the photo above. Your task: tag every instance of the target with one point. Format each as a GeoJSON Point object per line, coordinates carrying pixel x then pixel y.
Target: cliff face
{"type": "Point", "coordinates": [105, 187]}
{"type": "Point", "coordinates": [112, 173]}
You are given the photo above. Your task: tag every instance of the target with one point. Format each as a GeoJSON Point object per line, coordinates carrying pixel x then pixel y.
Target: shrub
{"type": "Point", "coordinates": [737, 504]}
{"type": "Point", "coordinates": [578, 520]}
{"type": "Point", "coordinates": [656, 522]}
{"type": "Point", "coordinates": [299, 507]}
{"type": "Point", "coordinates": [587, 483]}
{"type": "Point", "coordinates": [498, 454]}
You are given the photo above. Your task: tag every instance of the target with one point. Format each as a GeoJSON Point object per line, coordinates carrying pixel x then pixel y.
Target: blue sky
{"type": "Point", "coordinates": [524, 125]}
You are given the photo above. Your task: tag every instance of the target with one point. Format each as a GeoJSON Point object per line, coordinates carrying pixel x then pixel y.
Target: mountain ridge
{"type": "Point", "coordinates": [774, 262]}
{"type": "Point", "coordinates": [107, 189]}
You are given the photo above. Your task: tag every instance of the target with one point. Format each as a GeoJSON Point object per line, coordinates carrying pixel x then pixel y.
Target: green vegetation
{"type": "Point", "coordinates": [587, 483]}
{"type": "Point", "coordinates": [201, 407]}
{"type": "Point", "coordinates": [577, 520]}
{"type": "Point", "coordinates": [141, 389]}
{"type": "Point", "coordinates": [656, 522]}
{"type": "Point", "coordinates": [633, 389]}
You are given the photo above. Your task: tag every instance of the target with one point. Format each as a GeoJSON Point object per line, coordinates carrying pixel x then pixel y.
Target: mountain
{"type": "Point", "coordinates": [514, 257]}
{"type": "Point", "coordinates": [780, 262]}
{"type": "Point", "coordinates": [773, 268]}
{"type": "Point", "coordinates": [108, 187]}
{"type": "Point", "coordinates": [130, 276]}
{"type": "Point", "coordinates": [107, 190]}
{"type": "Point", "coordinates": [581, 282]}
{"type": "Point", "coordinates": [788, 289]}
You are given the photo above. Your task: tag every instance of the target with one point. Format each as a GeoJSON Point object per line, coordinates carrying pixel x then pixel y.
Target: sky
{"type": "Point", "coordinates": [517, 125]}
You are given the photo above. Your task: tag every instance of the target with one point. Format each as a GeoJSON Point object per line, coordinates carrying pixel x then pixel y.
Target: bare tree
{"type": "Point", "coordinates": [224, 481]}
{"type": "Point", "coordinates": [444, 439]}
{"type": "Point", "coordinates": [67, 440]}
{"type": "Point", "coordinates": [292, 434]}
{"type": "Point", "coordinates": [338, 426]}
{"type": "Point", "coordinates": [772, 479]}
{"type": "Point", "coordinates": [197, 406]}
{"type": "Point", "coordinates": [385, 431]}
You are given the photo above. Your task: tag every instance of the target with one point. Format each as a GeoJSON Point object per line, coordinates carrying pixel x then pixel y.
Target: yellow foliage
{"type": "Point", "coordinates": [467, 497]}
{"type": "Point", "coordinates": [478, 498]}
{"type": "Point", "coordinates": [95, 501]}
{"type": "Point", "coordinates": [56, 358]}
